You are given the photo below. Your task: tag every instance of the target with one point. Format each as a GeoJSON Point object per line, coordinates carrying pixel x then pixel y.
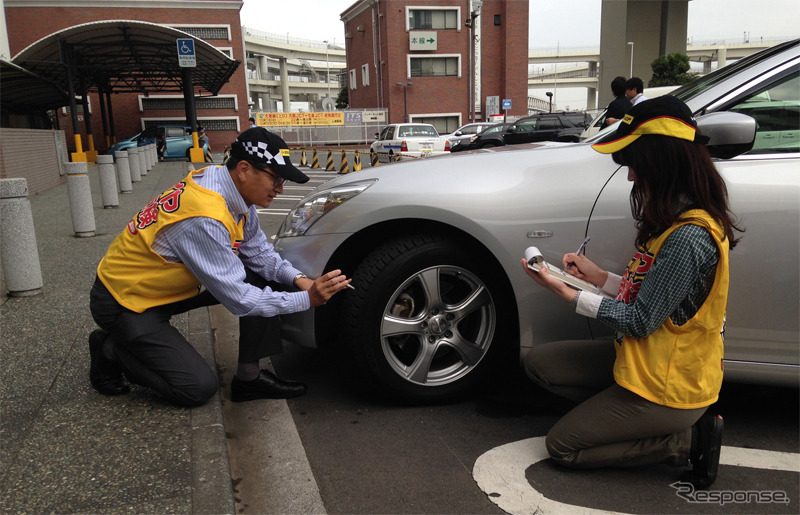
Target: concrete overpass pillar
{"type": "Point", "coordinates": [263, 67]}
{"type": "Point", "coordinates": [287, 102]}
{"type": "Point", "coordinates": [641, 29]}
{"type": "Point", "coordinates": [591, 93]}
{"type": "Point", "coordinates": [722, 57]}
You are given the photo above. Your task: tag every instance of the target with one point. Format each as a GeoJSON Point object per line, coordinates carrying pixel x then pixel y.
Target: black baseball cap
{"type": "Point", "coordinates": [262, 149]}
{"type": "Point", "coordinates": [664, 115]}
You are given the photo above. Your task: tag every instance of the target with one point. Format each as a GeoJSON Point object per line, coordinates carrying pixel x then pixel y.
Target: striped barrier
{"type": "Point", "coordinates": [344, 167]}
{"type": "Point", "coordinates": [357, 162]}
{"type": "Point", "coordinates": [373, 157]}
{"type": "Point", "coordinates": [315, 160]}
{"type": "Point", "coordinates": [329, 163]}
{"type": "Point", "coordinates": [303, 161]}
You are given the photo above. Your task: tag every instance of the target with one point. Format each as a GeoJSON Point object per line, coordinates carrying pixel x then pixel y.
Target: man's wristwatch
{"type": "Point", "coordinates": [299, 276]}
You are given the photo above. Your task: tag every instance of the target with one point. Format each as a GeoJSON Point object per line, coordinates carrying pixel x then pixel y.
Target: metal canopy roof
{"type": "Point", "coordinates": [123, 56]}
{"type": "Point", "coordinates": [22, 90]}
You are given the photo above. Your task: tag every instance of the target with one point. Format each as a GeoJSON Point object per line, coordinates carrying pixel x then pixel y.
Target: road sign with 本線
{"type": "Point", "coordinates": [422, 40]}
{"type": "Point", "coordinates": [186, 55]}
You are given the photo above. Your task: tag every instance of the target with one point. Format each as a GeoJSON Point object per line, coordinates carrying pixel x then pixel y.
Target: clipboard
{"type": "Point", "coordinates": [535, 261]}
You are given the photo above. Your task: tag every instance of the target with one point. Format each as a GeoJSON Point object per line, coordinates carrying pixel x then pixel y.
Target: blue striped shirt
{"type": "Point", "coordinates": [204, 246]}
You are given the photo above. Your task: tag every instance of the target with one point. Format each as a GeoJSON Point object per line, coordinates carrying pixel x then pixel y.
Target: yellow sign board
{"type": "Point", "coordinates": [299, 119]}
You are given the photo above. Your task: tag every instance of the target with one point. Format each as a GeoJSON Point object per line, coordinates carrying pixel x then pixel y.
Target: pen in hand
{"type": "Point", "coordinates": [581, 250]}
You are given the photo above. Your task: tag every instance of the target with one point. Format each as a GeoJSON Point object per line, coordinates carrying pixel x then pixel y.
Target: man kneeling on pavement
{"type": "Point", "coordinates": [197, 244]}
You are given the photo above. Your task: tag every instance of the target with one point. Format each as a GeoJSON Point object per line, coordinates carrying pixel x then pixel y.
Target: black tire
{"type": "Point", "coordinates": [423, 323]}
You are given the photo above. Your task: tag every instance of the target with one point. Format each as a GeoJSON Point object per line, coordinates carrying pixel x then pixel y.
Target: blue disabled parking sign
{"type": "Point", "coordinates": [506, 103]}
{"type": "Point", "coordinates": [186, 55]}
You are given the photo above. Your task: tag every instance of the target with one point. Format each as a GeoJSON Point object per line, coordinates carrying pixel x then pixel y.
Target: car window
{"type": "Point", "coordinates": [548, 124]}
{"type": "Point", "coordinates": [528, 126]}
{"type": "Point", "coordinates": [175, 132]}
{"type": "Point", "coordinates": [417, 130]}
{"type": "Point", "coordinates": [496, 128]}
{"type": "Point", "coordinates": [776, 109]}
{"type": "Point", "coordinates": [148, 133]}
{"type": "Point", "coordinates": [471, 130]}
{"type": "Point", "coordinates": [390, 132]}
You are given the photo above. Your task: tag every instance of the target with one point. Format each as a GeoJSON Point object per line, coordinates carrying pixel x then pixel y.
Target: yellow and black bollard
{"type": "Point", "coordinates": [314, 160]}
{"type": "Point", "coordinates": [344, 167]}
{"type": "Point", "coordinates": [356, 162]}
{"type": "Point", "coordinates": [303, 161]}
{"type": "Point", "coordinates": [329, 163]}
{"type": "Point", "coordinates": [373, 157]}
{"type": "Point", "coordinates": [396, 158]}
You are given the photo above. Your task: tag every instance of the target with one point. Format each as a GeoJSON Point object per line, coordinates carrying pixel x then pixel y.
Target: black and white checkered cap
{"type": "Point", "coordinates": [266, 149]}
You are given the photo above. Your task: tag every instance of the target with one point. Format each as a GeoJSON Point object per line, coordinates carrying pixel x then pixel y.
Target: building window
{"type": "Point", "coordinates": [365, 75]}
{"type": "Point", "coordinates": [177, 103]}
{"type": "Point", "coordinates": [353, 79]}
{"type": "Point", "coordinates": [439, 66]}
{"type": "Point", "coordinates": [432, 19]}
{"type": "Point", "coordinates": [444, 123]}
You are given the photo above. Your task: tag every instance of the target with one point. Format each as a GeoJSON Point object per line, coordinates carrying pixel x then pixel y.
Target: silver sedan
{"type": "Point", "coordinates": [440, 300]}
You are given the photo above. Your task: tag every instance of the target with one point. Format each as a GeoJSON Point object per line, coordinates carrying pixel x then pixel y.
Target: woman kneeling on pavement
{"type": "Point", "coordinates": [644, 397]}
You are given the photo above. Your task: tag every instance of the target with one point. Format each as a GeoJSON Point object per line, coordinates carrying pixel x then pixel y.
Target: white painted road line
{"type": "Point", "coordinates": [500, 473]}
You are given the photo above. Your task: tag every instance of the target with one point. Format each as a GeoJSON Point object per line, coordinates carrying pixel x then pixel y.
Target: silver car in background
{"type": "Point", "coordinates": [434, 247]}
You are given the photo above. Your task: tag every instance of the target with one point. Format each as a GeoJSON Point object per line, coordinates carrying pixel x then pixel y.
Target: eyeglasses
{"type": "Point", "coordinates": [277, 182]}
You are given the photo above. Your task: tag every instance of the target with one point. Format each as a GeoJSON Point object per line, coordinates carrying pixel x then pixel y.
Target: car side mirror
{"type": "Point", "coordinates": [458, 133]}
{"type": "Point", "coordinates": [730, 134]}
{"type": "Point", "coordinates": [376, 135]}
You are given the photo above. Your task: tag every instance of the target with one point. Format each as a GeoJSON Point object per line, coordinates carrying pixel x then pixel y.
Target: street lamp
{"type": "Point", "coordinates": [405, 104]}
{"type": "Point", "coordinates": [470, 22]}
{"type": "Point", "coordinates": [631, 44]}
{"type": "Point", "coordinates": [550, 96]}
{"type": "Point", "coordinates": [327, 69]}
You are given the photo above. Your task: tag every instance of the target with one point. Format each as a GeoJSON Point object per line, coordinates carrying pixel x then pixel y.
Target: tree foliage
{"type": "Point", "coordinates": [343, 99]}
{"type": "Point", "coordinates": [671, 70]}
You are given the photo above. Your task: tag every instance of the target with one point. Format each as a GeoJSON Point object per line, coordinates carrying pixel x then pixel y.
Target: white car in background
{"type": "Point", "coordinates": [409, 140]}
{"type": "Point", "coordinates": [597, 122]}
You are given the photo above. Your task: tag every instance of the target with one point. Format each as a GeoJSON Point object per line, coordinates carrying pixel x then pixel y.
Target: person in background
{"type": "Point", "coordinates": [620, 105]}
{"type": "Point", "coordinates": [253, 123]}
{"type": "Point", "coordinates": [634, 90]}
{"type": "Point", "coordinates": [644, 397]}
{"type": "Point", "coordinates": [161, 145]}
{"type": "Point", "coordinates": [200, 243]}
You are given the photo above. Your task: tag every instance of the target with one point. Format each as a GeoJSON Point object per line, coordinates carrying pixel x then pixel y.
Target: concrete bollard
{"type": "Point", "coordinates": [80, 199]}
{"type": "Point", "coordinates": [20, 256]}
{"type": "Point", "coordinates": [123, 172]}
{"type": "Point", "coordinates": [149, 154]}
{"type": "Point", "coordinates": [108, 181]}
{"type": "Point", "coordinates": [143, 161]}
{"type": "Point", "coordinates": [133, 160]}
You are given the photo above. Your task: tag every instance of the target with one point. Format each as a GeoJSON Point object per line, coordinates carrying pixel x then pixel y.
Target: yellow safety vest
{"type": "Point", "coordinates": [140, 279]}
{"type": "Point", "coordinates": [677, 366]}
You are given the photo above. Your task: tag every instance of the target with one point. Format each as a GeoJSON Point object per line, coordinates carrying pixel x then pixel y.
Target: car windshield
{"type": "Point", "coordinates": [417, 130]}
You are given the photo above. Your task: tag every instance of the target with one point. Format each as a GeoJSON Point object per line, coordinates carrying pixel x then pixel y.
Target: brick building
{"type": "Point", "coordinates": [414, 57]}
{"type": "Point", "coordinates": [214, 21]}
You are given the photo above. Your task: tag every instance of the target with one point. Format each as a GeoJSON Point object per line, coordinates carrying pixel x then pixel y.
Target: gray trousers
{"type": "Point", "coordinates": [153, 353]}
{"type": "Point", "coordinates": [611, 426]}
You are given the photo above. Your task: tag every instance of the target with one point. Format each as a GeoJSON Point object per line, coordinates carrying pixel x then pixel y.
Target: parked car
{"type": "Point", "coordinates": [409, 139]}
{"type": "Point", "coordinates": [178, 141]}
{"type": "Point", "coordinates": [599, 120]}
{"type": "Point", "coordinates": [466, 132]}
{"type": "Point", "coordinates": [434, 246]}
{"type": "Point", "coordinates": [563, 127]}
{"type": "Point", "coordinates": [491, 137]}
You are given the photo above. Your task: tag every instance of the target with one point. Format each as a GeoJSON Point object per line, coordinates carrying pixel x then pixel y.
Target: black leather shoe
{"type": "Point", "coordinates": [265, 386]}
{"type": "Point", "coordinates": [105, 375]}
{"type": "Point", "coordinates": [704, 454]}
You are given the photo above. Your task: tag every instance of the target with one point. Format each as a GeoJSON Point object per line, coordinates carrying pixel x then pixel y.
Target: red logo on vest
{"type": "Point", "coordinates": [169, 202]}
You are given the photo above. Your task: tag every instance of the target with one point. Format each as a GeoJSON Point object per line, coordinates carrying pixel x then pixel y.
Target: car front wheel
{"type": "Point", "coordinates": [423, 322]}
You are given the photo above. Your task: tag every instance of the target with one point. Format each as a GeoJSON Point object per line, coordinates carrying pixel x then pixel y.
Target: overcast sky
{"type": "Point", "coordinates": [552, 22]}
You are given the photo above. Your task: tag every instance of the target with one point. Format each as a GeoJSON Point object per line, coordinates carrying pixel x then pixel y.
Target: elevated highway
{"type": "Point", "coordinates": [306, 70]}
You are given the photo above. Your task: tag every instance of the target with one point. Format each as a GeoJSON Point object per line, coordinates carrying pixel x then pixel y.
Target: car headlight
{"type": "Point", "coordinates": [315, 206]}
